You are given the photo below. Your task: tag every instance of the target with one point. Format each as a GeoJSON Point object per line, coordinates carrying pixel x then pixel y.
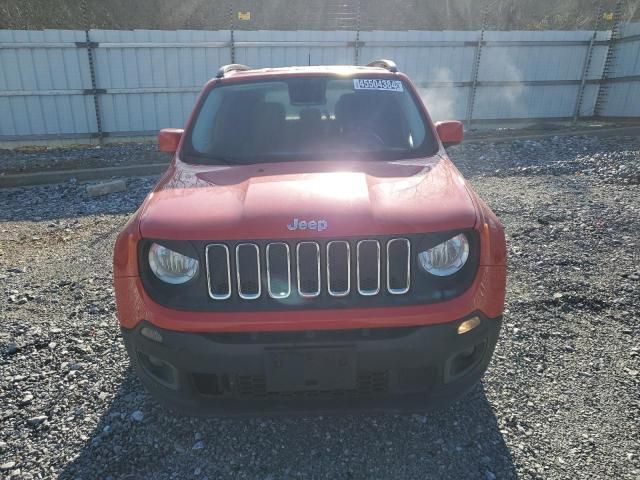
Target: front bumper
{"type": "Point", "coordinates": [390, 369]}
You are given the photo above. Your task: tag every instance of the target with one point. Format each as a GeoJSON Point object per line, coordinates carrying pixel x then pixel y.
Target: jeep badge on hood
{"type": "Point", "coordinates": [318, 225]}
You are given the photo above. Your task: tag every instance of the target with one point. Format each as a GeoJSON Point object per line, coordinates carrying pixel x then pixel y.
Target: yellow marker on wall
{"type": "Point", "coordinates": [608, 16]}
{"type": "Point", "coordinates": [244, 15]}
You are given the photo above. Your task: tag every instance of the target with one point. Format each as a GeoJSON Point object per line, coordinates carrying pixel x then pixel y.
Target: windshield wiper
{"type": "Point", "coordinates": [224, 161]}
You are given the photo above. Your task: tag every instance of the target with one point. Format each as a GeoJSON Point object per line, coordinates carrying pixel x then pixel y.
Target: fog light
{"type": "Point", "coordinates": [468, 325]}
{"type": "Point", "coordinates": [151, 334]}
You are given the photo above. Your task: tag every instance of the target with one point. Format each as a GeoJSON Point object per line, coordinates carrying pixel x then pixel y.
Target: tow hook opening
{"type": "Point", "coordinates": [161, 371]}
{"type": "Point", "coordinates": [464, 361]}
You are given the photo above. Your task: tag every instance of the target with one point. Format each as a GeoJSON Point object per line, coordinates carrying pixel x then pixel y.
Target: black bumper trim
{"type": "Point", "coordinates": [398, 369]}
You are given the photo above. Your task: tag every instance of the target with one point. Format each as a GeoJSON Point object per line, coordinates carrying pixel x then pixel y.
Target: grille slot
{"type": "Point", "coordinates": [338, 268]}
{"type": "Point", "coordinates": [398, 266]}
{"type": "Point", "coordinates": [251, 385]}
{"type": "Point", "coordinates": [248, 271]}
{"type": "Point", "coordinates": [308, 269]}
{"type": "Point", "coordinates": [218, 271]}
{"type": "Point", "coordinates": [367, 383]}
{"type": "Point", "coordinates": [368, 267]}
{"type": "Point", "coordinates": [278, 270]}
{"type": "Point", "coordinates": [373, 382]}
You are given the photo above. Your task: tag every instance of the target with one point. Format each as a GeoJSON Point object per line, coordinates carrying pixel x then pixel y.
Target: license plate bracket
{"type": "Point", "coordinates": [310, 369]}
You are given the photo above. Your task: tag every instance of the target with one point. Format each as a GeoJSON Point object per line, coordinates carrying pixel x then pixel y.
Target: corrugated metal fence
{"type": "Point", "coordinates": [624, 89]}
{"type": "Point", "coordinates": [144, 80]}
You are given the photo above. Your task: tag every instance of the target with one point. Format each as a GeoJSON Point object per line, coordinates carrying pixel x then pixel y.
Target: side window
{"type": "Point", "coordinates": [417, 127]}
{"type": "Point", "coordinates": [202, 136]}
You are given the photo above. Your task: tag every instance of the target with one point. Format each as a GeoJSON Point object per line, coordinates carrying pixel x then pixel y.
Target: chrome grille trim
{"type": "Point", "coordinates": [300, 291]}
{"type": "Point", "coordinates": [361, 291]}
{"type": "Point", "coordinates": [317, 261]}
{"type": "Point", "coordinates": [276, 295]}
{"type": "Point", "coordinates": [399, 291]}
{"type": "Point", "coordinates": [243, 295]}
{"type": "Point", "coordinates": [337, 293]}
{"type": "Point", "coordinates": [213, 295]}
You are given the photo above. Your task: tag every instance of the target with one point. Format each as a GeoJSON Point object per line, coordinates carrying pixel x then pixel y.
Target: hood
{"type": "Point", "coordinates": [307, 200]}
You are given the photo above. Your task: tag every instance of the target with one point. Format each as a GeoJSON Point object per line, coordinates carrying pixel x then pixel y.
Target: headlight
{"type": "Point", "coordinates": [446, 258]}
{"type": "Point", "coordinates": [171, 267]}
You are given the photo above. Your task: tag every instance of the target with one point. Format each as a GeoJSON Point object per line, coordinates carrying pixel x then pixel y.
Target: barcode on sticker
{"type": "Point", "coordinates": [377, 84]}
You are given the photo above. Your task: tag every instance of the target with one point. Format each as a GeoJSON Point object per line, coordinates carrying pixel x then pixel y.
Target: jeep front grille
{"type": "Point", "coordinates": [308, 269]}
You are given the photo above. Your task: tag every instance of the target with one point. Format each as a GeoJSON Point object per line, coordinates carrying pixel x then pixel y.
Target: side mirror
{"type": "Point", "coordinates": [450, 132]}
{"type": "Point", "coordinates": [169, 138]}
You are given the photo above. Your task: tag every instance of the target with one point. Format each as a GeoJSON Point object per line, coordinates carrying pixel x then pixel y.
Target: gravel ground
{"type": "Point", "coordinates": [37, 159]}
{"type": "Point", "coordinates": [561, 398]}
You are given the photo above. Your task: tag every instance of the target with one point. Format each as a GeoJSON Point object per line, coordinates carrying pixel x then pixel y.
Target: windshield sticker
{"type": "Point", "coordinates": [377, 84]}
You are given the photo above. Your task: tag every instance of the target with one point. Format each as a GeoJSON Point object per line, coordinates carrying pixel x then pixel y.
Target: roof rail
{"type": "Point", "coordinates": [384, 63]}
{"type": "Point", "coordinates": [232, 67]}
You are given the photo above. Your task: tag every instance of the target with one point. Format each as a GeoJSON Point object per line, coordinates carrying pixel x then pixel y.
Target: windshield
{"type": "Point", "coordinates": [302, 118]}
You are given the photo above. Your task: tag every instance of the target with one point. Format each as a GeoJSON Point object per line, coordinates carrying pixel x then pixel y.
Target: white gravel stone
{"type": "Point", "coordinates": [138, 416]}
{"type": "Point", "coordinates": [37, 420]}
{"type": "Point", "coordinates": [104, 188]}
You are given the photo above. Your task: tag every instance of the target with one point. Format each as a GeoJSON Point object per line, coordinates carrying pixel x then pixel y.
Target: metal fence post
{"type": "Point", "coordinates": [609, 61]}
{"type": "Point", "coordinates": [357, 44]}
{"type": "Point", "coordinates": [92, 70]}
{"type": "Point", "coordinates": [476, 67]}
{"type": "Point", "coordinates": [586, 66]}
{"type": "Point", "coordinates": [232, 33]}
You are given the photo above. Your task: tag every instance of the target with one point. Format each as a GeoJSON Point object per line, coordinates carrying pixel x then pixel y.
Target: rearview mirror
{"type": "Point", "coordinates": [169, 138]}
{"type": "Point", "coordinates": [450, 132]}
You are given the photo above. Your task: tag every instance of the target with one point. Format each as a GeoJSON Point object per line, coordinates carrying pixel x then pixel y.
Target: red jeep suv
{"type": "Point", "coordinates": [310, 247]}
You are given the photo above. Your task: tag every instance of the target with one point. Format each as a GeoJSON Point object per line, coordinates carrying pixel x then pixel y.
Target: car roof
{"type": "Point", "coordinates": [345, 70]}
